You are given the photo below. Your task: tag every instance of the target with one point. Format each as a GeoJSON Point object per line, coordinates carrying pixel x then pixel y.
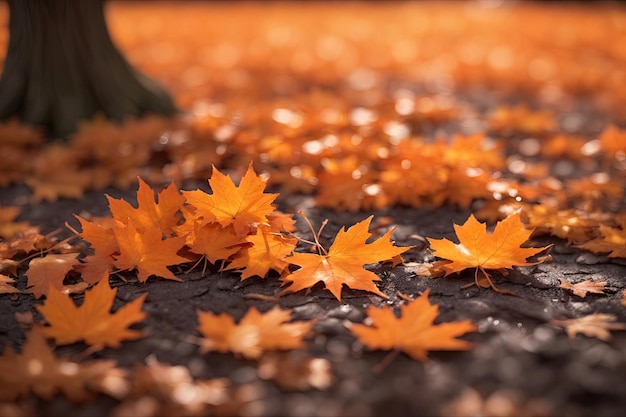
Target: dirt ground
{"type": "Point", "coordinates": [521, 364]}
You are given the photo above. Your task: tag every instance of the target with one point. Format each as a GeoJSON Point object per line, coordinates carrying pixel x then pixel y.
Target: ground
{"type": "Point", "coordinates": [521, 363]}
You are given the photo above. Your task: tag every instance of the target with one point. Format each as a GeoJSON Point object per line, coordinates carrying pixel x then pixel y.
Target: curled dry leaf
{"type": "Point", "coordinates": [596, 325]}
{"type": "Point", "coordinates": [255, 333]}
{"type": "Point", "coordinates": [414, 332]}
{"type": "Point", "coordinates": [92, 322]}
{"type": "Point", "coordinates": [581, 289]}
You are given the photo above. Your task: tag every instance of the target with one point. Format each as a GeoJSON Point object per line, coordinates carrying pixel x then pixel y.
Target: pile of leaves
{"type": "Point", "coordinates": [346, 119]}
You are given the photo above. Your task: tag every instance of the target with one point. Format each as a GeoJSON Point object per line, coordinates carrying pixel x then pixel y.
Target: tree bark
{"type": "Point", "coordinates": [62, 68]}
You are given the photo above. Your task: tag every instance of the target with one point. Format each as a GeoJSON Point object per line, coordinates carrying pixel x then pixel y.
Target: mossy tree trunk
{"type": "Point", "coordinates": [62, 68]}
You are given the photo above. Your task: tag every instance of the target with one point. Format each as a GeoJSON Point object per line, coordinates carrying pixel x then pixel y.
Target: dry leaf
{"type": "Point", "coordinates": [165, 390]}
{"type": "Point", "coordinates": [582, 288]}
{"type": "Point", "coordinates": [612, 240]}
{"type": "Point", "coordinates": [147, 252]}
{"type": "Point", "coordinates": [255, 333]}
{"type": "Point", "coordinates": [7, 285]}
{"type": "Point", "coordinates": [92, 322]}
{"type": "Point", "coordinates": [596, 325]}
{"type": "Point", "coordinates": [49, 270]}
{"type": "Point", "coordinates": [414, 332]}
{"type": "Point", "coordinates": [244, 206]}
{"type": "Point", "coordinates": [344, 261]}
{"type": "Point", "coordinates": [268, 251]}
{"type": "Point", "coordinates": [296, 371]}
{"type": "Point", "coordinates": [478, 249]}
{"type": "Point", "coordinates": [163, 215]}
{"type": "Point", "coordinates": [8, 226]}
{"type": "Point", "coordinates": [211, 240]}
{"type": "Point", "coordinates": [37, 370]}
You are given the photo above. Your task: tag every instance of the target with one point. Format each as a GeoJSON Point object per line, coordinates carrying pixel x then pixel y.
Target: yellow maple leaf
{"type": "Point", "coordinates": [414, 332]}
{"type": "Point", "coordinates": [481, 250]}
{"type": "Point", "coordinates": [244, 206]}
{"type": "Point", "coordinates": [92, 322]}
{"type": "Point", "coordinates": [344, 261]}
{"type": "Point", "coordinates": [255, 333]}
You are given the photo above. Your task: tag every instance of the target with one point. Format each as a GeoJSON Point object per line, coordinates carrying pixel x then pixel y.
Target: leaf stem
{"type": "Point", "coordinates": [385, 362]}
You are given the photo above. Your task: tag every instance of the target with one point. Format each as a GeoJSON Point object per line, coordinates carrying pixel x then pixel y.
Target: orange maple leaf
{"type": "Point", "coordinates": [268, 251]}
{"type": "Point", "coordinates": [149, 213]}
{"type": "Point", "coordinates": [7, 285]}
{"type": "Point", "coordinates": [36, 369]}
{"type": "Point", "coordinates": [211, 240]}
{"type": "Point", "coordinates": [255, 333]}
{"type": "Point", "coordinates": [49, 270]}
{"type": "Point", "coordinates": [414, 332]}
{"type": "Point", "coordinates": [147, 252]}
{"type": "Point", "coordinates": [92, 322]}
{"type": "Point", "coordinates": [481, 250]}
{"type": "Point", "coordinates": [104, 244]}
{"type": "Point", "coordinates": [344, 261]}
{"type": "Point", "coordinates": [611, 241]}
{"type": "Point", "coordinates": [244, 207]}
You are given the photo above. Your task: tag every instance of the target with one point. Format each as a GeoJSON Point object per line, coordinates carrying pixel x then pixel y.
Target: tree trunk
{"type": "Point", "coordinates": [62, 68]}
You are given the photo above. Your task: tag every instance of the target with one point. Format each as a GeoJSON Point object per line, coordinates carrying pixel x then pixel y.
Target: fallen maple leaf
{"type": "Point", "coordinates": [244, 207]}
{"type": "Point", "coordinates": [344, 261]}
{"type": "Point", "coordinates": [611, 241]}
{"type": "Point", "coordinates": [148, 214]}
{"type": "Point", "coordinates": [7, 285]}
{"type": "Point", "coordinates": [255, 333]}
{"type": "Point", "coordinates": [49, 270]}
{"type": "Point", "coordinates": [268, 251]}
{"type": "Point", "coordinates": [104, 244]}
{"type": "Point", "coordinates": [596, 325]}
{"type": "Point", "coordinates": [414, 332]}
{"type": "Point", "coordinates": [36, 369]}
{"type": "Point", "coordinates": [480, 250]}
{"type": "Point", "coordinates": [582, 288]}
{"type": "Point", "coordinates": [92, 322]}
{"type": "Point", "coordinates": [147, 252]}
{"type": "Point", "coordinates": [211, 240]}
